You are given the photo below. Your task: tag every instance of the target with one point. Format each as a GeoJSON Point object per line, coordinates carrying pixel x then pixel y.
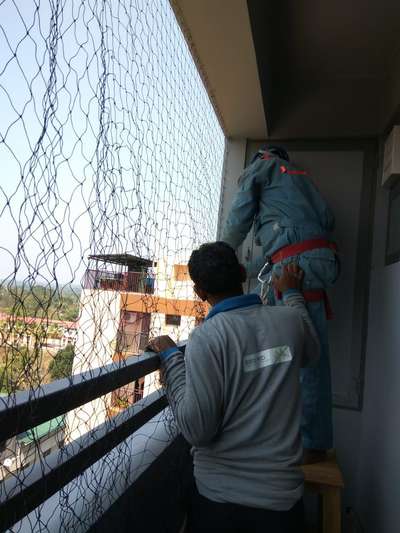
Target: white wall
{"type": "Point", "coordinates": [368, 442]}
{"type": "Point", "coordinates": [97, 329]}
{"type": "Point", "coordinates": [166, 286]}
{"type": "Point", "coordinates": [95, 347]}
{"type": "Point", "coordinates": [235, 157]}
{"type": "Point", "coordinates": [177, 333]}
{"type": "Point", "coordinates": [378, 484]}
{"type": "Point", "coordinates": [372, 438]}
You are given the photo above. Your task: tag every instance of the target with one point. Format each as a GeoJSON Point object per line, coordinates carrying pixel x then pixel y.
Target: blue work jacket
{"type": "Point", "coordinates": [286, 207]}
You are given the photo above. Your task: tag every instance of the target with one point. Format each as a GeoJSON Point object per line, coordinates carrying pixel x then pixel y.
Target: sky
{"type": "Point", "coordinates": [108, 141]}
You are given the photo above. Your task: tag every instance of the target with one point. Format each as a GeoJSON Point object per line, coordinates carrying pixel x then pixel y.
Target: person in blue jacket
{"type": "Point", "coordinates": [292, 222]}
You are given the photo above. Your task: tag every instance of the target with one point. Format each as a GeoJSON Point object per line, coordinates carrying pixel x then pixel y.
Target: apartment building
{"type": "Point", "coordinates": [125, 300]}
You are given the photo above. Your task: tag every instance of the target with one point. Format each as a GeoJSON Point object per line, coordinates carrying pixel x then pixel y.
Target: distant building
{"type": "Point", "coordinates": [56, 333]}
{"type": "Point", "coordinates": [29, 447]}
{"type": "Point", "coordinates": [124, 301]}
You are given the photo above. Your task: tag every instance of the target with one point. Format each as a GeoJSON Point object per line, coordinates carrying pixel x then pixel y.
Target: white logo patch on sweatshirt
{"type": "Point", "coordinates": [272, 356]}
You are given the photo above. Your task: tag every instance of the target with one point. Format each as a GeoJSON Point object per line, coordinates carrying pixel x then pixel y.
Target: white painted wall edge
{"type": "Point", "coordinates": [235, 156]}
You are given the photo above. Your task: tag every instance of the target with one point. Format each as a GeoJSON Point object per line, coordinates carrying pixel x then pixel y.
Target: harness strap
{"type": "Point", "coordinates": [316, 295]}
{"type": "Point", "coordinates": [301, 247]}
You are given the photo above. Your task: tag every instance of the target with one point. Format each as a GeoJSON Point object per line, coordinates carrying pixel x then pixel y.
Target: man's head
{"type": "Point", "coordinates": [278, 151]}
{"type": "Point", "coordinates": [216, 271]}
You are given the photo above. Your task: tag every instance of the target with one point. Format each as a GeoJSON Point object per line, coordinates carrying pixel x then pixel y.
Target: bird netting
{"type": "Point", "coordinates": [111, 160]}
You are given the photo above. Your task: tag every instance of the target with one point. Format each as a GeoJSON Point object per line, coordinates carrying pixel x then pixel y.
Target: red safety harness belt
{"type": "Point", "coordinates": [297, 249]}
{"type": "Point", "coordinates": [300, 247]}
{"type": "Point", "coordinates": [317, 296]}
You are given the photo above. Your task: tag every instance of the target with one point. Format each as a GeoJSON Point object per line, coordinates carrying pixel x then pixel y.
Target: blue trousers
{"type": "Point", "coordinates": [321, 269]}
{"type": "Point", "coordinates": [316, 388]}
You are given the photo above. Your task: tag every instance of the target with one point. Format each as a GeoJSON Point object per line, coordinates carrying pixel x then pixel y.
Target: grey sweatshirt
{"type": "Point", "coordinates": [235, 396]}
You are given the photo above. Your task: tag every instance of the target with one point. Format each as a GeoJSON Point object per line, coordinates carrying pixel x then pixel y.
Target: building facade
{"type": "Point", "coordinates": [126, 300]}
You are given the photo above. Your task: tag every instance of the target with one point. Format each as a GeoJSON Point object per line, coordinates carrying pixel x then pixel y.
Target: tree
{"type": "Point", "coordinates": [40, 302]}
{"type": "Point", "coordinates": [54, 332]}
{"type": "Point", "coordinates": [21, 369]}
{"type": "Point", "coordinates": [61, 365]}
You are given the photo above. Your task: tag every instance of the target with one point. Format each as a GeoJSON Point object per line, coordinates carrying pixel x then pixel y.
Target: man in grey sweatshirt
{"type": "Point", "coordinates": [235, 395]}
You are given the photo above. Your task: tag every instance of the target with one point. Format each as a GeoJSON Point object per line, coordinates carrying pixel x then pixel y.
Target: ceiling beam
{"type": "Point", "coordinates": [219, 36]}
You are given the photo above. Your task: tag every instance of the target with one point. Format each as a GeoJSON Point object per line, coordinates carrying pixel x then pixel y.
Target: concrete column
{"type": "Point", "coordinates": [235, 157]}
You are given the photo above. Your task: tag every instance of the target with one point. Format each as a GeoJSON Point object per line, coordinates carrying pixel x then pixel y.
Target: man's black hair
{"type": "Point", "coordinates": [279, 151]}
{"type": "Point", "coordinates": [215, 268]}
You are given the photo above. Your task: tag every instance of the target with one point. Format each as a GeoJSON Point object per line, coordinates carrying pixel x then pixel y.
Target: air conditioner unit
{"type": "Point", "coordinates": [391, 158]}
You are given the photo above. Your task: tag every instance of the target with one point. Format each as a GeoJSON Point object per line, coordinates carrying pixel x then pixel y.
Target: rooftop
{"type": "Point", "coordinates": [40, 431]}
{"type": "Point", "coordinates": [69, 324]}
{"type": "Point", "coordinates": [131, 261]}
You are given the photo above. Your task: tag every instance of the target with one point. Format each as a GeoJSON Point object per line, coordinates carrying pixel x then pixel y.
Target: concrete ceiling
{"type": "Point", "coordinates": [219, 36]}
{"type": "Point", "coordinates": [307, 68]}
{"type": "Point", "coordinates": [324, 64]}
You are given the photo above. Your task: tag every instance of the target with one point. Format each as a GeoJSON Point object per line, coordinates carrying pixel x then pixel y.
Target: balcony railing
{"type": "Point", "coordinates": [26, 490]}
{"type": "Point", "coordinates": [140, 282]}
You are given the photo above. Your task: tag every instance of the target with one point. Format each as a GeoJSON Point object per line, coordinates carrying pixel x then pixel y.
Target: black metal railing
{"type": "Point", "coordinates": [27, 409]}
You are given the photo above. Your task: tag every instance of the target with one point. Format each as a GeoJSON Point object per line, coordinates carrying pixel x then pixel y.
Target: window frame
{"type": "Point", "coordinates": [174, 316]}
{"type": "Point", "coordinates": [181, 273]}
{"type": "Point", "coordinates": [393, 257]}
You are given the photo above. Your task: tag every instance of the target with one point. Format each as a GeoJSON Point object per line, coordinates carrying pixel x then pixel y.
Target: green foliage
{"type": "Point", "coordinates": [40, 302]}
{"type": "Point", "coordinates": [15, 331]}
{"type": "Point", "coordinates": [54, 332]}
{"type": "Point", "coordinates": [122, 403]}
{"type": "Point", "coordinates": [22, 359]}
{"type": "Point", "coordinates": [61, 365]}
{"type": "Point", "coordinates": [21, 369]}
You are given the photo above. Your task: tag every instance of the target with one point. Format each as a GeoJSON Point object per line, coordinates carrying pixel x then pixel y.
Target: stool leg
{"type": "Point", "coordinates": [332, 520]}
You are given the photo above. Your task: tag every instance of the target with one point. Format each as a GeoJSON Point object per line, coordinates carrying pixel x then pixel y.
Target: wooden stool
{"type": "Point", "coordinates": [325, 478]}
